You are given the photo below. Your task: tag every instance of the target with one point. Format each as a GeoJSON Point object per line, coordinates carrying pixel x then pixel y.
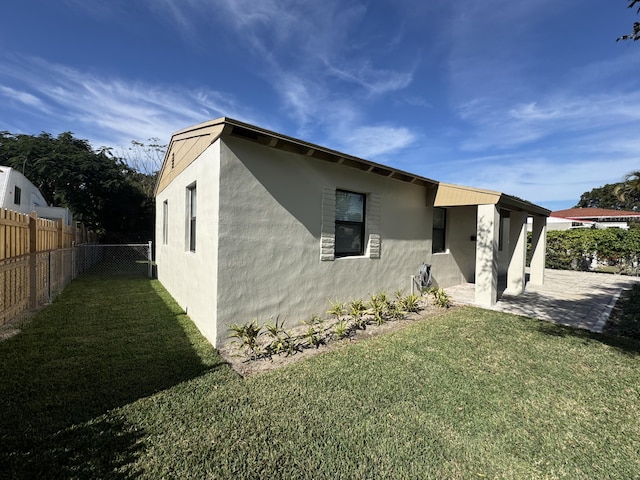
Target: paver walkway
{"type": "Point", "coordinates": [576, 299]}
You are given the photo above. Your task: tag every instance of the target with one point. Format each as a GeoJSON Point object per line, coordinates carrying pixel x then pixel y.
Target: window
{"type": "Point", "coordinates": [191, 217]}
{"type": "Point", "coordinates": [17, 195]}
{"type": "Point", "coordinates": [350, 208]}
{"type": "Point", "coordinates": [504, 215]}
{"type": "Point", "coordinates": [165, 222]}
{"type": "Point", "coordinates": [439, 230]}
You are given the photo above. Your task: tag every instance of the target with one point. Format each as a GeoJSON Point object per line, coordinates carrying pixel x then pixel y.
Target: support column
{"type": "Point", "coordinates": [517, 253]}
{"type": "Point", "coordinates": [538, 250]}
{"type": "Point", "coordinates": [488, 229]}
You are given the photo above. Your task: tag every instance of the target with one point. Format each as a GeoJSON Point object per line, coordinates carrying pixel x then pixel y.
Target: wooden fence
{"type": "Point", "coordinates": [28, 247]}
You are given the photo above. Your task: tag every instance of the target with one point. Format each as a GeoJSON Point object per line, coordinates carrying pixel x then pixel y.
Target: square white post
{"type": "Point", "coordinates": [538, 250]}
{"type": "Point", "coordinates": [488, 229]}
{"type": "Point", "coordinates": [517, 253]}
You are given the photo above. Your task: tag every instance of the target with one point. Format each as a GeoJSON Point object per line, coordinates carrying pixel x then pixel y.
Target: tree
{"type": "Point", "coordinates": [605, 197]}
{"type": "Point", "coordinates": [635, 35]}
{"type": "Point", "coordinates": [146, 161]}
{"type": "Point", "coordinates": [630, 187]}
{"type": "Point", "coordinates": [101, 190]}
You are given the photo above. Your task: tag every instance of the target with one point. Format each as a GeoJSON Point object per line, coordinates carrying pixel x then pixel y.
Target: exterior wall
{"type": "Point", "coordinates": [457, 264]}
{"type": "Point", "coordinates": [267, 194]}
{"type": "Point", "coordinates": [30, 195]}
{"type": "Point", "coordinates": [190, 277]}
{"type": "Point", "coordinates": [55, 213]}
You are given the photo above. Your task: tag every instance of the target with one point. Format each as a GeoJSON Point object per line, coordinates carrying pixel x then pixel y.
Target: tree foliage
{"type": "Point", "coordinates": [635, 34]}
{"type": "Point", "coordinates": [101, 190]}
{"type": "Point", "coordinates": [607, 197]}
{"type": "Point", "coordinates": [630, 188]}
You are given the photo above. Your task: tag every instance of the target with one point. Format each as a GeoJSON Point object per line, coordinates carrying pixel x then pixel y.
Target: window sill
{"type": "Point", "coordinates": [347, 257]}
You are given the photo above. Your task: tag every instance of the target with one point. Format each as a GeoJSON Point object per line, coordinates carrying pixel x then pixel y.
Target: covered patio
{"type": "Point", "coordinates": [576, 299]}
{"type": "Point", "coordinates": [500, 241]}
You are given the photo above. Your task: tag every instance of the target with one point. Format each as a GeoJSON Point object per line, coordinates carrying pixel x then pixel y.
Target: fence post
{"type": "Point", "coordinates": [33, 260]}
{"type": "Point", "coordinates": [60, 233]}
{"type": "Point", "coordinates": [150, 258]}
{"type": "Point", "coordinates": [50, 277]}
{"type": "Point", "coordinates": [73, 260]}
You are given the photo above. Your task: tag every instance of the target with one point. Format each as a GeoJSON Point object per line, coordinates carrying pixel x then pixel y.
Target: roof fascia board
{"type": "Point", "coordinates": [310, 150]}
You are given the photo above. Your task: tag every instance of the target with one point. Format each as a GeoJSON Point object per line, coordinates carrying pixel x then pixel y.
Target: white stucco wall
{"type": "Point", "coordinates": [259, 223]}
{"type": "Point", "coordinates": [269, 236]}
{"type": "Point", "coordinates": [191, 277]}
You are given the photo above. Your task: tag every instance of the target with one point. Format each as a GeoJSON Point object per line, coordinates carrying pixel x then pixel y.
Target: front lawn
{"type": "Point", "coordinates": [625, 318]}
{"type": "Point", "coordinates": [112, 381]}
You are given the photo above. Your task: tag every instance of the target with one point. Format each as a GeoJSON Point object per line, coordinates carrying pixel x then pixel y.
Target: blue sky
{"type": "Point", "coordinates": [533, 98]}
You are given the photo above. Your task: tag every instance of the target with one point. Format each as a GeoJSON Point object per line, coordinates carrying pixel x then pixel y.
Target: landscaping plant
{"type": "Point", "coordinates": [280, 340]}
{"type": "Point", "coordinates": [357, 310]}
{"type": "Point", "coordinates": [247, 335]}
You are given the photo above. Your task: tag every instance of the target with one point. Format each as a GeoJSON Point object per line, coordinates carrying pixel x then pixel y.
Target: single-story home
{"type": "Point", "coordinates": [17, 193]}
{"type": "Point", "coordinates": [251, 223]}
{"type": "Point", "coordinates": [591, 217]}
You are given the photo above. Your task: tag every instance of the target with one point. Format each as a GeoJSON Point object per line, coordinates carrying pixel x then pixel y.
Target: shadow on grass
{"type": "Point", "coordinates": [627, 346]}
{"type": "Point", "coordinates": [103, 343]}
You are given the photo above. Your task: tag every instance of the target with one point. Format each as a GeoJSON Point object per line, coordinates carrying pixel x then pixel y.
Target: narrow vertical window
{"type": "Point", "coordinates": [350, 215]}
{"type": "Point", "coordinates": [17, 195]}
{"type": "Point", "coordinates": [191, 215]}
{"type": "Point", "coordinates": [165, 222]}
{"type": "Point", "coordinates": [504, 218]}
{"type": "Point", "coordinates": [438, 242]}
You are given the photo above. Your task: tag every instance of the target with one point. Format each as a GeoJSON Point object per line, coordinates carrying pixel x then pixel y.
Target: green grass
{"type": "Point", "coordinates": [625, 319]}
{"type": "Point", "coordinates": [112, 381]}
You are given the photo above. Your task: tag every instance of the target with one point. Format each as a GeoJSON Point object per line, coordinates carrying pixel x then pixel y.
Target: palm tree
{"type": "Point", "coordinates": [630, 185]}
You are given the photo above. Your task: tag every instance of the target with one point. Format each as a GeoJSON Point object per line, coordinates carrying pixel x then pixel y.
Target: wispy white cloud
{"type": "Point", "coordinates": [498, 125]}
{"type": "Point", "coordinates": [377, 140]}
{"type": "Point", "coordinates": [22, 97]}
{"type": "Point", "coordinates": [374, 81]}
{"type": "Point", "coordinates": [544, 180]}
{"type": "Point", "coordinates": [302, 47]}
{"type": "Point", "coordinates": [111, 110]}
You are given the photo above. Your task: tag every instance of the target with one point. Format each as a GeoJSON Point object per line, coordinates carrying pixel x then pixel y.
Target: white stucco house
{"type": "Point", "coordinates": [17, 193]}
{"type": "Point", "coordinates": [254, 224]}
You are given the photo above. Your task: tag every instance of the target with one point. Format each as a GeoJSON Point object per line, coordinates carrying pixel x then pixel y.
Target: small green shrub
{"type": "Point", "coordinates": [247, 335]}
{"type": "Point", "coordinates": [337, 309]}
{"type": "Point", "coordinates": [395, 311]}
{"type": "Point", "coordinates": [281, 340]}
{"type": "Point", "coordinates": [341, 329]}
{"type": "Point", "coordinates": [314, 336]}
{"type": "Point", "coordinates": [440, 297]}
{"type": "Point", "coordinates": [410, 303]}
{"type": "Point", "coordinates": [379, 304]}
{"type": "Point", "coordinates": [357, 310]}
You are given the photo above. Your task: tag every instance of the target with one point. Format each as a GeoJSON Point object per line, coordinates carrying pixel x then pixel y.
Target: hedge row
{"type": "Point", "coordinates": [577, 249]}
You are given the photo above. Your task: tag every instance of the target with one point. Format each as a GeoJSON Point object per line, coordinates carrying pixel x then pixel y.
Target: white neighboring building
{"type": "Point", "coordinates": [592, 217]}
{"type": "Point", "coordinates": [17, 193]}
{"type": "Point", "coordinates": [558, 223]}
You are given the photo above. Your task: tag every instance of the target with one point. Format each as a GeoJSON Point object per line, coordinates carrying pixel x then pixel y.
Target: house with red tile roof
{"type": "Point", "coordinates": [587, 217]}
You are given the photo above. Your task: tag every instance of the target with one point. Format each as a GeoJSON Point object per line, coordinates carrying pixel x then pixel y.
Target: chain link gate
{"type": "Point", "coordinates": [133, 259]}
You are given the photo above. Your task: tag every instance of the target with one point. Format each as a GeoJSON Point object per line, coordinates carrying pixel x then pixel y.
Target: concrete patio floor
{"type": "Point", "coordinates": [576, 299]}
